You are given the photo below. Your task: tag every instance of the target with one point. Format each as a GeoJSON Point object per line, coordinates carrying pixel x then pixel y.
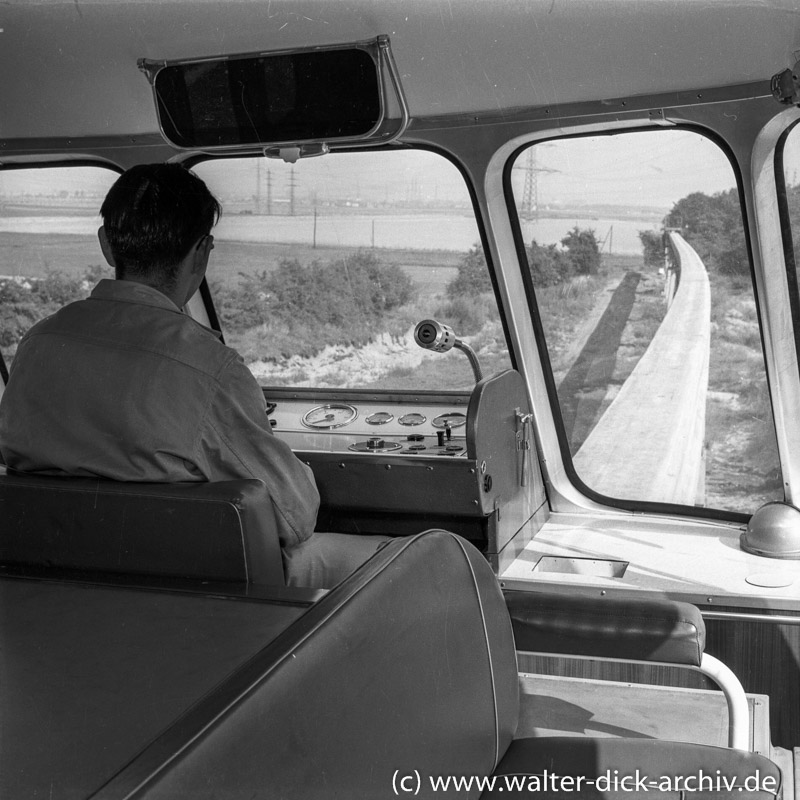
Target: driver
{"type": "Point", "coordinates": [125, 386]}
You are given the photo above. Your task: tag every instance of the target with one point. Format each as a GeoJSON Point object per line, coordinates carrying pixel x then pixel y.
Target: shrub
{"type": "Point", "coordinates": [583, 251]}
{"type": "Point", "coordinates": [653, 248]}
{"type": "Point", "coordinates": [465, 314]}
{"type": "Point", "coordinates": [549, 266]}
{"type": "Point", "coordinates": [340, 293]}
{"type": "Point", "coordinates": [473, 274]}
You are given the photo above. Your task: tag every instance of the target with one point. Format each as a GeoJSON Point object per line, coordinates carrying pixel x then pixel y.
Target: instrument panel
{"type": "Point", "coordinates": [399, 463]}
{"type": "Point", "coordinates": [420, 429]}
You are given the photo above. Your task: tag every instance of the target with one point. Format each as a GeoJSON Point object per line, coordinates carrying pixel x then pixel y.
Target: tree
{"type": "Point", "coordinates": [583, 251]}
{"type": "Point", "coordinates": [712, 224]}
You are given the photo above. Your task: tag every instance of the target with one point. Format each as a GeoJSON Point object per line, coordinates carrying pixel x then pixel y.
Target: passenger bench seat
{"type": "Point", "coordinates": [222, 531]}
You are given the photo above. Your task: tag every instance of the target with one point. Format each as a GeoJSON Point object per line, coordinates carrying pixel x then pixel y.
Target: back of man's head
{"type": "Point", "coordinates": [152, 216]}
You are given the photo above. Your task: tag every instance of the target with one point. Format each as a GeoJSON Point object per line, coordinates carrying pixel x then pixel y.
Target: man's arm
{"type": "Point", "coordinates": [236, 441]}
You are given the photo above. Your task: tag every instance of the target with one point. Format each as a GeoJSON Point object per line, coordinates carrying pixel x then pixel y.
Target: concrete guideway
{"type": "Point", "coordinates": [649, 444]}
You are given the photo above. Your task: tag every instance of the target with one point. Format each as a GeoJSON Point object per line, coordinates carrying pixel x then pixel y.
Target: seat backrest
{"type": "Point", "coordinates": [222, 531]}
{"type": "Point", "coordinates": [406, 669]}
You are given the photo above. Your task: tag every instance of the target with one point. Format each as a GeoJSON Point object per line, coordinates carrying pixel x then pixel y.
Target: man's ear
{"type": "Point", "coordinates": [202, 251]}
{"type": "Point", "coordinates": [105, 247]}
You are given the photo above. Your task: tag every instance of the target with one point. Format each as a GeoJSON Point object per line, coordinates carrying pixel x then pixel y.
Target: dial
{"type": "Point", "coordinates": [332, 415]}
{"type": "Point", "coordinates": [379, 418]}
{"type": "Point", "coordinates": [455, 419]}
{"type": "Point", "coordinates": [412, 419]}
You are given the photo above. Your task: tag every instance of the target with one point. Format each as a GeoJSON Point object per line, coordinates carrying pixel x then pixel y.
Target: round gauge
{"type": "Point", "coordinates": [412, 419]}
{"type": "Point", "coordinates": [379, 418]}
{"type": "Point", "coordinates": [454, 419]}
{"type": "Point", "coordinates": [332, 415]}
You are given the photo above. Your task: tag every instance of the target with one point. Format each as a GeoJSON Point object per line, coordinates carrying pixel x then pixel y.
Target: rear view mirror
{"type": "Point", "coordinates": [331, 95]}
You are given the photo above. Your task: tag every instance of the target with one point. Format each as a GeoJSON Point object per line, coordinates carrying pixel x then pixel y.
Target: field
{"type": "Point", "coordinates": [73, 255]}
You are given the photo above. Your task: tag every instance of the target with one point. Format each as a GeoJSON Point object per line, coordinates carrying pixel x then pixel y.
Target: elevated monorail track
{"type": "Point", "coordinates": [663, 401]}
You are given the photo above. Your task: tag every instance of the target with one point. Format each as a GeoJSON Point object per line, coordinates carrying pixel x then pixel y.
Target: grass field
{"type": "Point", "coordinates": [73, 255]}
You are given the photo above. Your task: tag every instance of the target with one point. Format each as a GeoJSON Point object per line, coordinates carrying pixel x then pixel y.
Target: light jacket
{"type": "Point", "coordinates": [124, 385]}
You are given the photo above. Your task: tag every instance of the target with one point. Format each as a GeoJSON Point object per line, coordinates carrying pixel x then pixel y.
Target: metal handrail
{"type": "Point", "coordinates": [712, 668]}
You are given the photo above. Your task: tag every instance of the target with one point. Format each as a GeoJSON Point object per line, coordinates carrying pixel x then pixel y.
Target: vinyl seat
{"type": "Point", "coordinates": [223, 531]}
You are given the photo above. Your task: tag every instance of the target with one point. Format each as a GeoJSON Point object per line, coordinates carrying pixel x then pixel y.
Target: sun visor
{"type": "Point", "coordinates": [290, 103]}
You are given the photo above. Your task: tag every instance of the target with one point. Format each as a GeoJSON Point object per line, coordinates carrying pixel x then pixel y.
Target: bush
{"type": "Point", "coordinates": [653, 248]}
{"type": "Point", "coordinates": [583, 251]}
{"type": "Point", "coordinates": [473, 274]}
{"type": "Point", "coordinates": [340, 293]}
{"type": "Point", "coordinates": [465, 314]}
{"type": "Point", "coordinates": [549, 266]}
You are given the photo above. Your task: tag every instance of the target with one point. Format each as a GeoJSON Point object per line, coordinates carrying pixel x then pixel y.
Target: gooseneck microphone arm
{"type": "Point", "coordinates": [432, 335]}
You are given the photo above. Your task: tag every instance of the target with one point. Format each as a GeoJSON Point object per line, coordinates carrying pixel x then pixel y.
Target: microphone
{"type": "Point", "coordinates": [432, 335]}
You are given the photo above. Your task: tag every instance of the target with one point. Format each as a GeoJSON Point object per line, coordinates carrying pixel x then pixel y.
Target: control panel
{"type": "Point", "coordinates": [373, 427]}
{"type": "Point", "coordinates": [401, 464]}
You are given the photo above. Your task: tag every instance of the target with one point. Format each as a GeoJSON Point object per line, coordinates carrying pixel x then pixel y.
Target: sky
{"type": "Point", "coordinates": [652, 168]}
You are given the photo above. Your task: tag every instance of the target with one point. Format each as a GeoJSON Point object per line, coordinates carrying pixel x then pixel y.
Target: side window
{"type": "Point", "coordinates": [322, 269]}
{"type": "Point", "coordinates": [636, 250]}
{"type": "Point", "coordinates": [49, 253]}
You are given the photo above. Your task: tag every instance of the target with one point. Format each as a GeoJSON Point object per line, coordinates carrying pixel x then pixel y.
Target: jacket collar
{"type": "Point", "coordinates": [132, 292]}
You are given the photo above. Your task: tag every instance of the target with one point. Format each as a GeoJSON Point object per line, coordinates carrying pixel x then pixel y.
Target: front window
{"type": "Point", "coordinates": [636, 251]}
{"type": "Point", "coordinates": [322, 270]}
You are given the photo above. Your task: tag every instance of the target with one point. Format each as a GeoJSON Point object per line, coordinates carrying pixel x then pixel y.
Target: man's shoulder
{"type": "Point", "coordinates": [54, 321]}
{"type": "Point", "coordinates": [133, 328]}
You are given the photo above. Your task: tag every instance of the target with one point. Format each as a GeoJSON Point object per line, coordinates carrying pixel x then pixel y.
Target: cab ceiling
{"type": "Point", "coordinates": [69, 68]}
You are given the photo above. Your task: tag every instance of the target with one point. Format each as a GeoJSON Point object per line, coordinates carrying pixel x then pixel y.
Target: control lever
{"type": "Point", "coordinates": [432, 335]}
{"type": "Point", "coordinates": [524, 425]}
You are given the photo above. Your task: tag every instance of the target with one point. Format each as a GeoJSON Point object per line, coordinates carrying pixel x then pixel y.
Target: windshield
{"type": "Point", "coordinates": [322, 269]}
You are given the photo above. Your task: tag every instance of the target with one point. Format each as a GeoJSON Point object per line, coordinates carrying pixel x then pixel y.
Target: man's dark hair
{"type": "Point", "coordinates": [152, 216]}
